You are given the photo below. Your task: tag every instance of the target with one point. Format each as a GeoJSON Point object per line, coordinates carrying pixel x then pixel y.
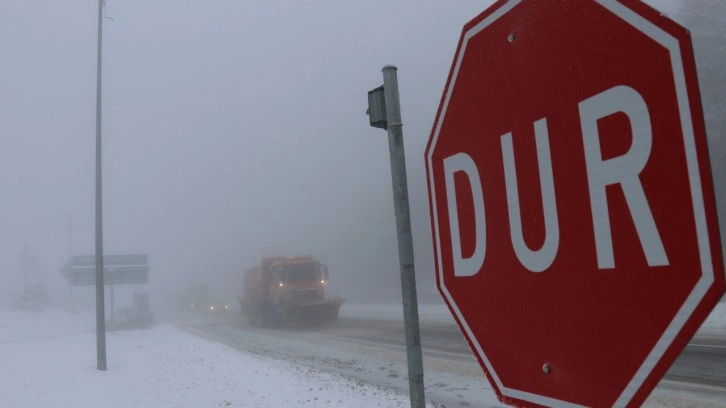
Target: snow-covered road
{"type": "Point", "coordinates": [374, 359]}
{"type": "Point", "coordinates": [367, 344]}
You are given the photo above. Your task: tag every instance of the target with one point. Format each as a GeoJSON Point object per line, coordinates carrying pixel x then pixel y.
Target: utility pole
{"type": "Point", "coordinates": [100, 313]}
{"type": "Point", "coordinates": [70, 236]}
{"type": "Point", "coordinates": [384, 109]}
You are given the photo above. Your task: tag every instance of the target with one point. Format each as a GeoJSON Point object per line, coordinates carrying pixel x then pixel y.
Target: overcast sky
{"type": "Point", "coordinates": [232, 130]}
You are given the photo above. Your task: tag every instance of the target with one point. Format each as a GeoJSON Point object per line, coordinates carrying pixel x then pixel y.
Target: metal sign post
{"type": "Point", "coordinates": [390, 106]}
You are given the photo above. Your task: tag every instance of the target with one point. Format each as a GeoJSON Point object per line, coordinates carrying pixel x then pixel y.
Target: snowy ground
{"type": "Point", "coordinates": [48, 359]}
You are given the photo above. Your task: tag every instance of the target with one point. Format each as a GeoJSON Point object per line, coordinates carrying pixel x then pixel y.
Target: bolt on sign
{"type": "Point", "coordinates": [572, 207]}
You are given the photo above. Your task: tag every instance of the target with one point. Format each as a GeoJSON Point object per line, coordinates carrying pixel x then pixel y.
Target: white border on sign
{"type": "Point", "coordinates": [694, 178]}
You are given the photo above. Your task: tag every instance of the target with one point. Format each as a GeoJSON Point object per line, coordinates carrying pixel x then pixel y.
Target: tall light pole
{"type": "Point", "coordinates": [100, 313]}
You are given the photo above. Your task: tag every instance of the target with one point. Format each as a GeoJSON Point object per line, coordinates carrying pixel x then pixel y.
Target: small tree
{"type": "Point", "coordinates": [34, 296]}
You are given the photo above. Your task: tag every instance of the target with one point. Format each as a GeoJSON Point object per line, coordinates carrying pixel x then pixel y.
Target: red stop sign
{"type": "Point", "coordinates": [575, 231]}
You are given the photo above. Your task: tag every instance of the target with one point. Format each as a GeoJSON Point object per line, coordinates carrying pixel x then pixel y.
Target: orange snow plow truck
{"type": "Point", "coordinates": [287, 289]}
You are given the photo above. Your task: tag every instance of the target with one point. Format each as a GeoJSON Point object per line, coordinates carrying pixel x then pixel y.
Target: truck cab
{"type": "Point", "coordinates": [297, 281]}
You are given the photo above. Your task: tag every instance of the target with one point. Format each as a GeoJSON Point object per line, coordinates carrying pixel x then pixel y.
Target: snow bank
{"type": "Point", "coordinates": [431, 313]}
{"type": "Point", "coordinates": [48, 363]}
{"type": "Point", "coordinates": [23, 325]}
{"type": "Point", "coordinates": [715, 323]}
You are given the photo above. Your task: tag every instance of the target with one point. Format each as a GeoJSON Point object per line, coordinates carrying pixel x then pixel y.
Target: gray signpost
{"type": "Point", "coordinates": [384, 110]}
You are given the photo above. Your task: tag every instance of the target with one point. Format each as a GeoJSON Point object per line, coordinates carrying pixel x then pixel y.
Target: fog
{"type": "Point", "coordinates": [232, 130]}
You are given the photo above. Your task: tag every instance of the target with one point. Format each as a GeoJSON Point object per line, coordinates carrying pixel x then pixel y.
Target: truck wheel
{"type": "Point", "coordinates": [276, 319]}
{"type": "Point", "coordinates": [272, 317]}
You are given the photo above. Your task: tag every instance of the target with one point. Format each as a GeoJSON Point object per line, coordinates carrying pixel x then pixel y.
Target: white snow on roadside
{"type": "Point", "coordinates": [716, 321]}
{"type": "Point", "coordinates": [430, 313]}
{"type": "Point", "coordinates": [20, 325]}
{"type": "Point", "coordinates": [162, 366]}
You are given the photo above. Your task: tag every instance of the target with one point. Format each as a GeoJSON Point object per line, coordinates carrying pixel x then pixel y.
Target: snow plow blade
{"type": "Point", "coordinates": [325, 311]}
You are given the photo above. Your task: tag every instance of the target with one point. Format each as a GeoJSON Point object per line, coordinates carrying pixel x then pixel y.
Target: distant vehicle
{"type": "Point", "coordinates": [287, 289]}
{"type": "Point", "coordinates": [195, 304]}
{"type": "Point", "coordinates": [216, 306]}
{"type": "Point", "coordinates": [129, 318]}
{"type": "Point", "coordinates": [195, 297]}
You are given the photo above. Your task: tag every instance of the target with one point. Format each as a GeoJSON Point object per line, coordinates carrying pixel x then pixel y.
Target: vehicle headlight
{"type": "Point", "coordinates": [282, 284]}
{"type": "Point", "coordinates": [226, 307]}
{"type": "Point", "coordinates": [211, 307]}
